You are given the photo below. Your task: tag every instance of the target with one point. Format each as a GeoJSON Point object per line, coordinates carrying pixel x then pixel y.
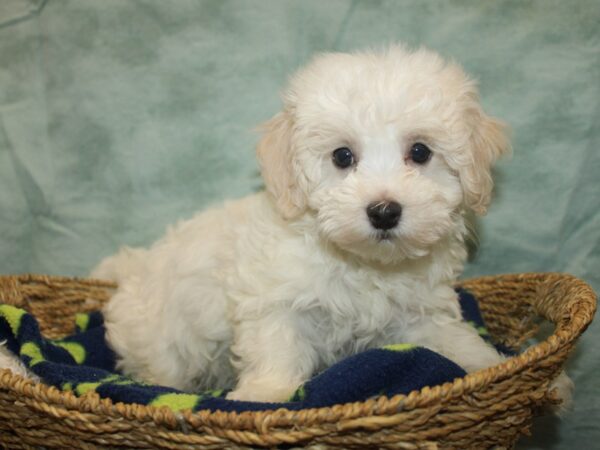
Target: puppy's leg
{"type": "Point", "coordinates": [273, 359]}
{"type": "Point", "coordinates": [461, 343]}
{"type": "Point", "coordinates": [456, 340]}
{"type": "Point", "coordinates": [564, 391]}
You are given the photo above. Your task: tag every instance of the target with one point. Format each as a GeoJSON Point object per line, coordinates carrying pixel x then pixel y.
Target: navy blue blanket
{"type": "Point", "coordinates": [83, 362]}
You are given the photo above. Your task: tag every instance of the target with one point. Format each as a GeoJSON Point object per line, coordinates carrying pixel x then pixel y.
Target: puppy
{"type": "Point", "coordinates": [356, 242]}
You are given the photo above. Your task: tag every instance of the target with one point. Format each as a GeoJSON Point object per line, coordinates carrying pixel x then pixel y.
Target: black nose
{"type": "Point", "coordinates": [384, 215]}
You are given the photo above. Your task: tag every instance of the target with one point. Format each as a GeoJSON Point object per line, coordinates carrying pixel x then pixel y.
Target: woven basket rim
{"type": "Point", "coordinates": [63, 403]}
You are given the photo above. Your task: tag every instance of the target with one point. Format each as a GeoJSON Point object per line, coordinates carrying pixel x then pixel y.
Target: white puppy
{"type": "Point", "coordinates": [369, 170]}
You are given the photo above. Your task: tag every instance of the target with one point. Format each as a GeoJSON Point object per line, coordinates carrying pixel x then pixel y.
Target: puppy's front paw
{"type": "Point", "coordinates": [563, 391]}
{"type": "Point", "coordinates": [262, 391]}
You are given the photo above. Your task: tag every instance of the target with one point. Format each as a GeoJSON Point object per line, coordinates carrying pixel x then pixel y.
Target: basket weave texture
{"type": "Point", "coordinates": [488, 408]}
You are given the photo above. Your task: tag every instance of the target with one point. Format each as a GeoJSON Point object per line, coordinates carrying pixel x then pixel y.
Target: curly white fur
{"type": "Point", "coordinates": [263, 292]}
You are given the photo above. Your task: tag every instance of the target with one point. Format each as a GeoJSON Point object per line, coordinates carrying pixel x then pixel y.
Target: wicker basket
{"type": "Point", "coordinates": [488, 408]}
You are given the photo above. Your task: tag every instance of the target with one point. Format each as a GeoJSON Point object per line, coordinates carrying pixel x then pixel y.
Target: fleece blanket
{"type": "Point", "coordinates": [83, 362]}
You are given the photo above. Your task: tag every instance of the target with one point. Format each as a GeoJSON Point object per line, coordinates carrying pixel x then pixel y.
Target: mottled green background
{"type": "Point", "coordinates": [118, 117]}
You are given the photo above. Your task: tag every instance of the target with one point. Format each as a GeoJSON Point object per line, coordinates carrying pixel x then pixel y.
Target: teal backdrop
{"type": "Point", "coordinates": [119, 117]}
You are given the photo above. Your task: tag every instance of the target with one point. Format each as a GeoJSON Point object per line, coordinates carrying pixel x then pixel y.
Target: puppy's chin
{"type": "Point", "coordinates": [384, 247]}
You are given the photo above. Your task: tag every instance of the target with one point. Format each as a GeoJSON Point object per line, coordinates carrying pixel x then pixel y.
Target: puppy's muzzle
{"type": "Point", "coordinates": [384, 215]}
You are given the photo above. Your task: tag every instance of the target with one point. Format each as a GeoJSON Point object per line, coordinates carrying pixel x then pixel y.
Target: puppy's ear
{"type": "Point", "coordinates": [488, 141]}
{"type": "Point", "coordinates": [276, 159]}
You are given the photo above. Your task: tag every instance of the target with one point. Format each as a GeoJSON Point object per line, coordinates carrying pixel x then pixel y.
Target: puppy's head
{"type": "Point", "coordinates": [385, 149]}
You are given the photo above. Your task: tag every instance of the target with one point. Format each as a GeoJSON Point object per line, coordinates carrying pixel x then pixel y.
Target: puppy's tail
{"type": "Point", "coordinates": [126, 263]}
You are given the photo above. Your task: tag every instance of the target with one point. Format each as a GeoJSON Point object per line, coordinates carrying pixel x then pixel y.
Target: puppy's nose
{"type": "Point", "coordinates": [384, 215]}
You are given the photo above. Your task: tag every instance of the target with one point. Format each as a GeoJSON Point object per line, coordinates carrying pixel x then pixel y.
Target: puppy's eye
{"type": "Point", "coordinates": [343, 157]}
{"type": "Point", "coordinates": [419, 153]}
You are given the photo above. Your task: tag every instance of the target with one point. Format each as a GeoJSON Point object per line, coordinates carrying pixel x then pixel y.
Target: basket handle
{"type": "Point", "coordinates": [567, 301]}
